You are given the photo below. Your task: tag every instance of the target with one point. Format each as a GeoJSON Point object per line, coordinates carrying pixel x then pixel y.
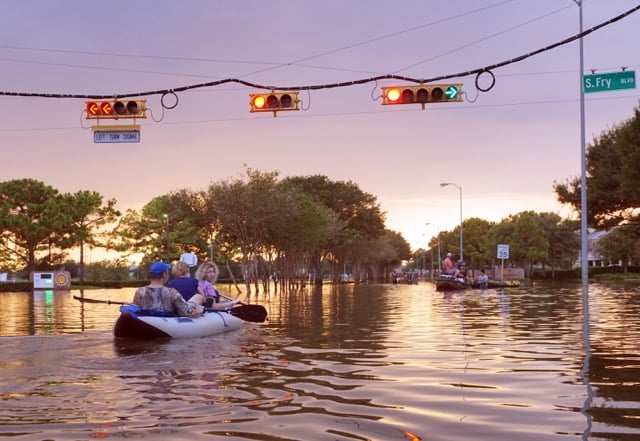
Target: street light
{"type": "Point", "coordinates": [166, 216]}
{"type": "Point", "coordinates": [459, 187]}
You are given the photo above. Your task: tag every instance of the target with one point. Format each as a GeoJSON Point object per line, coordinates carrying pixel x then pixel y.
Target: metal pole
{"type": "Point", "coordinates": [584, 261]}
{"type": "Point", "coordinates": [461, 246]}
{"type": "Point", "coordinates": [166, 216]}
{"type": "Point", "coordinates": [459, 187]}
{"type": "Point", "coordinates": [439, 258]}
{"type": "Point", "coordinates": [432, 264]}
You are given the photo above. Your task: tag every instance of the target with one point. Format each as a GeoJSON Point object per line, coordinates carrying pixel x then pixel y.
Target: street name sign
{"type": "Point", "coordinates": [609, 81]}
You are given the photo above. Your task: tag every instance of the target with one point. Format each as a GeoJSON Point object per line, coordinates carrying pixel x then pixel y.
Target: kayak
{"type": "Point", "coordinates": [148, 325]}
{"type": "Point", "coordinates": [448, 283]}
{"type": "Point", "coordinates": [495, 284]}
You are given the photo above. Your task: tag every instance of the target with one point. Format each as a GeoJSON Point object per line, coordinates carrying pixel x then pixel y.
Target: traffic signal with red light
{"type": "Point", "coordinates": [423, 94]}
{"type": "Point", "coordinates": [273, 101]}
{"type": "Point", "coordinates": [116, 109]}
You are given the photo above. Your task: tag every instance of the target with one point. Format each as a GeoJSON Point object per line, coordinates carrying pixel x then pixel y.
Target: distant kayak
{"type": "Point", "coordinates": [448, 283]}
{"type": "Point", "coordinates": [495, 284]}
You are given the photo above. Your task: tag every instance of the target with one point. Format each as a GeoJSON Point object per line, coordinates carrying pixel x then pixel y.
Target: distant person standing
{"type": "Point", "coordinates": [483, 280]}
{"type": "Point", "coordinates": [448, 264]}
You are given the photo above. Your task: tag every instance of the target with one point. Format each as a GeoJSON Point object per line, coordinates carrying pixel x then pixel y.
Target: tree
{"type": "Point", "coordinates": [620, 245]}
{"type": "Point", "coordinates": [87, 212]}
{"type": "Point", "coordinates": [525, 235]}
{"type": "Point", "coordinates": [564, 241]}
{"type": "Point", "coordinates": [32, 215]}
{"type": "Point", "coordinates": [613, 161]}
{"type": "Point", "coordinates": [358, 213]}
{"type": "Point", "coordinates": [475, 230]}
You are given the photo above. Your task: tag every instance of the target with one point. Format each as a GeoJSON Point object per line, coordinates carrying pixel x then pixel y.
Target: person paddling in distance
{"type": "Point", "coordinates": [184, 283]}
{"type": "Point", "coordinates": [461, 273]}
{"type": "Point", "coordinates": [207, 275]}
{"type": "Point", "coordinates": [158, 297]}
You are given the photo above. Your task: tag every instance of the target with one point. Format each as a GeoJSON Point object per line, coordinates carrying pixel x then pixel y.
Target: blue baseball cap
{"type": "Point", "coordinates": [158, 268]}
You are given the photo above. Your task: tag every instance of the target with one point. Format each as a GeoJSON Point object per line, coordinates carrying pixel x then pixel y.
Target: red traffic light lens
{"type": "Point", "coordinates": [92, 108]}
{"type": "Point", "coordinates": [105, 108]}
{"type": "Point", "coordinates": [407, 96]}
{"type": "Point", "coordinates": [272, 101]}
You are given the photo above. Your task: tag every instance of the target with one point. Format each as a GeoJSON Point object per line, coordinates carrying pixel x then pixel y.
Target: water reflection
{"type": "Point", "coordinates": [370, 362]}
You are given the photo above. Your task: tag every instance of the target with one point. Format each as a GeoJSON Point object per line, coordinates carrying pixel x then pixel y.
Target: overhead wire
{"type": "Point", "coordinates": [271, 65]}
{"type": "Point", "coordinates": [477, 72]}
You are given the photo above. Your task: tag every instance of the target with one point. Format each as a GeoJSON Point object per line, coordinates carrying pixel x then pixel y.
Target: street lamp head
{"type": "Point", "coordinates": [444, 184]}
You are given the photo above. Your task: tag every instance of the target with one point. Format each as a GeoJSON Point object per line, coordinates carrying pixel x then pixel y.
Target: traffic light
{"type": "Point", "coordinates": [273, 101]}
{"type": "Point", "coordinates": [116, 109]}
{"type": "Point", "coordinates": [423, 94]}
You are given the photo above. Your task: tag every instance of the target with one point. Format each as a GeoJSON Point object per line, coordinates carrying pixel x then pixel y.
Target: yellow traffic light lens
{"type": "Point", "coordinates": [393, 95]}
{"type": "Point", "coordinates": [258, 102]}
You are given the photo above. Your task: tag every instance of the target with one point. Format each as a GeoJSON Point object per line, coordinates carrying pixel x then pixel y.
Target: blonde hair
{"type": "Point", "coordinates": [179, 269]}
{"type": "Point", "coordinates": [203, 268]}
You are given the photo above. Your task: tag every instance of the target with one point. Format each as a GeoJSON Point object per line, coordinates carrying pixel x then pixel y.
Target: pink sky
{"type": "Point", "coordinates": [504, 147]}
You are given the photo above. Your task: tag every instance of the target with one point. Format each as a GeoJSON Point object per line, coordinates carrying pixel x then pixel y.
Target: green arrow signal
{"type": "Point", "coordinates": [452, 92]}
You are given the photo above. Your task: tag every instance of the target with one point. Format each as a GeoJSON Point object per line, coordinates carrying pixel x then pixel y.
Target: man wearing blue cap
{"type": "Point", "coordinates": [156, 296]}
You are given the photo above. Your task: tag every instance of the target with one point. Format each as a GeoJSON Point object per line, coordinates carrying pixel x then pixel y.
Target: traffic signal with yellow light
{"type": "Point", "coordinates": [274, 101]}
{"type": "Point", "coordinates": [116, 109]}
{"type": "Point", "coordinates": [422, 94]}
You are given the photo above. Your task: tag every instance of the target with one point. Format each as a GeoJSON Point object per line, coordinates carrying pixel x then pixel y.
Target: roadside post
{"type": "Point", "coordinates": [503, 253]}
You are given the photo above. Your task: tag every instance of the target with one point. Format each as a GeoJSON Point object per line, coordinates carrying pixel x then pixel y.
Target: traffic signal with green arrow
{"type": "Point", "coordinates": [422, 94]}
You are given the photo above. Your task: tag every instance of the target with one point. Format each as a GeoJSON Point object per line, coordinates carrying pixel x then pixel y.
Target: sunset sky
{"type": "Point", "coordinates": [504, 147]}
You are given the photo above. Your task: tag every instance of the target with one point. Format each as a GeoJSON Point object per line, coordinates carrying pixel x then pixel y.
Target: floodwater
{"type": "Point", "coordinates": [348, 362]}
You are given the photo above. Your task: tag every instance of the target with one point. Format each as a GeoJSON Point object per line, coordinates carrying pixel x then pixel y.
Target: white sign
{"type": "Point", "coordinates": [503, 251]}
{"type": "Point", "coordinates": [189, 258]}
{"type": "Point", "coordinates": [109, 136]}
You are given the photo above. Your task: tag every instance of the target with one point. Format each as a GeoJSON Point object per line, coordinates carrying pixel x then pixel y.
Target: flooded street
{"type": "Point", "coordinates": [348, 362]}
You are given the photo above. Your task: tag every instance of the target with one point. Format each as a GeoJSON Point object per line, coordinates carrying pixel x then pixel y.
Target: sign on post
{"type": "Point", "coordinates": [503, 251]}
{"type": "Point", "coordinates": [609, 81]}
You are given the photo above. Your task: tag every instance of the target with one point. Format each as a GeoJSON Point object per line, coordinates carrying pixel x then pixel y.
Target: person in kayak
{"type": "Point", "coordinates": [183, 282]}
{"type": "Point", "coordinates": [207, 275]}
{"type": "Point", "coordinates": [158, 297]}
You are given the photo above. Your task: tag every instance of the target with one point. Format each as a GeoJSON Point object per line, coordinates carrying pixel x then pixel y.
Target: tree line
{"type": "Point", "coordinates": [310, 227]}
{"type": "Point", "coordinates": [292, 229]}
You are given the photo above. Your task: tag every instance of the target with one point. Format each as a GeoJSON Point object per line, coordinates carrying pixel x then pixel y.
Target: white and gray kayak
{"type": "Point", "coordinates": [146, 325]}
